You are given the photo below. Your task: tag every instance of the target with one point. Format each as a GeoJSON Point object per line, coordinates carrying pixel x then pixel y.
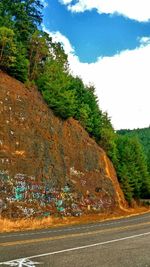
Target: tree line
{"type": "Point", "coordinates": [140, 152]}
{"type": "Point", "coordinates": [143, 136]}
{"type": "Point", "coordinates": [30, 55]}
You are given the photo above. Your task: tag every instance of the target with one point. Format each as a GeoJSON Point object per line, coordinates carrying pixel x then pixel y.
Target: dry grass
{"type": "Point", "coordinates": [7, 225]}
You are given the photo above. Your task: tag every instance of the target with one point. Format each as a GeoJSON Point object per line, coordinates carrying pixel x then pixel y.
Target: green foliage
{"type": "Point", "coordinates": [38, 51]}
{"type": "Point", "coordinates": [148, 159]}
{"type": "Point", "coordinates": [132, 168]}
{"type": "Point", "coordinates": [19, 69]}
{"type": "Point", "coordinates": [144, 138]}
{"type": "Point", "coordinates": [54, 83]}
{"type": "Point", "coordinates": [143, 135]}
{"type": "Point", "coordinates": [22, 16]}
{"type": "Point", "coordinates": [7, 48]}
{"type": "Point", "coordinates": [108, 138]}
{"type": "Point", "coordinates": [88, 112]}
{"type": "Point", "coordinates": [62, 102]}
{"type": "Point", "coordinates": [18, 23]}
{"type": "Point", "coordinates": [123, 175]}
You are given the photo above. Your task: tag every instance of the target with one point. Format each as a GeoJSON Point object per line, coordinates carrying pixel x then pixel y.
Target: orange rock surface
{"type": "Point", "coordinates": [49, 159]}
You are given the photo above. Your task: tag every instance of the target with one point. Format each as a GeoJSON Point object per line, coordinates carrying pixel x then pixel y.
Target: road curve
{"type": "Point", "coordinates": [114, 243]}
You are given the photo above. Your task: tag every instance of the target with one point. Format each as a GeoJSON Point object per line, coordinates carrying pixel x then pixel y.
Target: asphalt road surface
{"type": "Point", "coordinates": [114, 243]}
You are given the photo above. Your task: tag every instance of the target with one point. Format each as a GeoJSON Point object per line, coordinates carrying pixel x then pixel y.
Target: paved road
{"type": "Point", "coordinates": [115, 243]}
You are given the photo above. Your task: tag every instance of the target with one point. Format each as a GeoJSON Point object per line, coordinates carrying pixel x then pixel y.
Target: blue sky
{"type": "Point", "coordinates": [93, 35]}
{"type": "Point", "coordinates": [107, 40]}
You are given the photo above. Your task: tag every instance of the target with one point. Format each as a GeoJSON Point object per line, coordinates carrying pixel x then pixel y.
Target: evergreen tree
{"type": "Point", "coordinates": [108, 138]}
{"type": "Point", "coordinates": [131, 167]}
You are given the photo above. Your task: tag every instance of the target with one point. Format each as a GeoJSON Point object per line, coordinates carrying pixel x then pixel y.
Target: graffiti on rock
{"type": "Point", "coordinates": [25, 196]}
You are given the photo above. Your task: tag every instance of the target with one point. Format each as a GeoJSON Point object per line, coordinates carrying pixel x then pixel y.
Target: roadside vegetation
{"type": "Point", "coordinates": [29, 54]}
{"type": "Point", "coordinates": [143, 136]}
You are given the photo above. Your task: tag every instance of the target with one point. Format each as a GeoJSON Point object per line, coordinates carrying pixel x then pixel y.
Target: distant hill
{"type": "Point", "coordinates": [144, 138]}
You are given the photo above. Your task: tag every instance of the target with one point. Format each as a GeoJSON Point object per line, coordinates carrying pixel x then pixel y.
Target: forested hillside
{"type": "Point", "coordinates": [143, 136]}
{"type": "Point", "coordinates": [132, 167]}
{"type": "Point", "coordinates": [30, 55]}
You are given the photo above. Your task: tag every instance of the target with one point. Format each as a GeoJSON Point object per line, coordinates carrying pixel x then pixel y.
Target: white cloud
{"type": "Point", "coordinates": [44, 3]}
{"type": "Point", "coordinates": [122, 83]}
{"type": "Point", "coordinates": [58, 37]}
{"type": "Point", "coordinates": [145, 40]}
{"type": "Point", "coordinates": [133, 9]}
{"type": "Point", "coordinates": [66, 2]}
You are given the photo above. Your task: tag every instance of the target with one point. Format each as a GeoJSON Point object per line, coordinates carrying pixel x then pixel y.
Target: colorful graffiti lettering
{"type": "Point", "coordinates": [26, 196]}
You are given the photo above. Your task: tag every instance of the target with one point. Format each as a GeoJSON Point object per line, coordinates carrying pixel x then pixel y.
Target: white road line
{"type": "Point", "coordinates": [78, 248]}
{"type": "Point", "coordinates": [75, 228]}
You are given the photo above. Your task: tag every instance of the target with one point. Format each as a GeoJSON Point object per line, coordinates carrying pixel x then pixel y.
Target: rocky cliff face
{"type": "Point", "coordinates": [47, 165]}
